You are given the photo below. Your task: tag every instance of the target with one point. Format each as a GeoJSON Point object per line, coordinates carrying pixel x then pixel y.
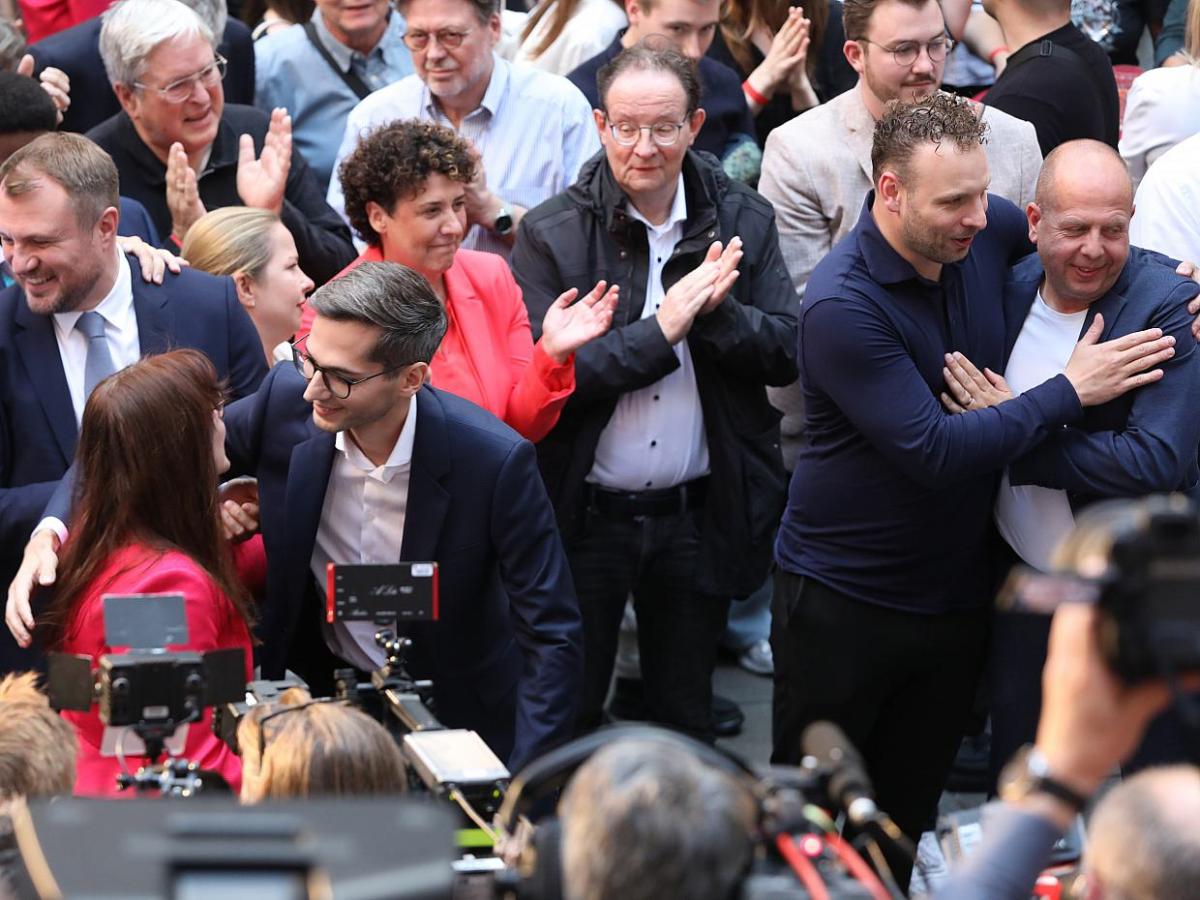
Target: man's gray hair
{"type": "Point", "coordinates": [132, 29]}
{"type": "Point", "coordinates": [646, 819]}
{"type": "Point", "coordinates": [394, 298]}
{"type": "Point", "coordinates": [1143, 843]}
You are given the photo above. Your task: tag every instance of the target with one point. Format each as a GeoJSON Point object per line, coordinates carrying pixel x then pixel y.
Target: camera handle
{"type": "Point", "coordinates": [398, 688]}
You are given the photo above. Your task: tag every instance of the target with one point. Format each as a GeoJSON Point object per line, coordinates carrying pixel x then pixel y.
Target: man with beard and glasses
{"type": "Point", "coordinates": [817, 168]}
{"type": "Point", "coordinates": [881, 597]}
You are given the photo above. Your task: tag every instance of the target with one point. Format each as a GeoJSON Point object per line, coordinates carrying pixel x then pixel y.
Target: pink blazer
{"type": "Point", "coordinates": [213, 624]}
{"type": "Point", "coordinates": [501, 369]}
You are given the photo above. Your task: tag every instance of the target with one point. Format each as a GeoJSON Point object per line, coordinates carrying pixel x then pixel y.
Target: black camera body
{"type": "Point", "coordinates": [145, 687]}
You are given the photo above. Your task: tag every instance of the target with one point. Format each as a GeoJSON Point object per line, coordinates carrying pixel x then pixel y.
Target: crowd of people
{"type": "Point", "coordinates": [671, 326]}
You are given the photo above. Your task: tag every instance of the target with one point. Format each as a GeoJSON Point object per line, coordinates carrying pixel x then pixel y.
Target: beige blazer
{"type": "Point", "coordinates": [816, 171]}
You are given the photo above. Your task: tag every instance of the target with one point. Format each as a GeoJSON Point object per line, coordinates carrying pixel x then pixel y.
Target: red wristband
{"type": "Point", "coordinates": [992, 56]}
{"type": "Point", "coordinates": [754, 95]}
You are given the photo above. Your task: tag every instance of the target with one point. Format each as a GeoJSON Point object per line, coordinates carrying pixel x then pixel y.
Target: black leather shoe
{"type": "Point", "coordinates": [727, 717]}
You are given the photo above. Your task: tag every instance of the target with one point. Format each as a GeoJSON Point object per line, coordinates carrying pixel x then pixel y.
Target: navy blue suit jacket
{"type": "Point", "coordinates": [76, 50]}
{"type": "Point", "coordinates": [37, 420]}
{"type": "Point", "coordinates": [1145, 441]}
{"type": "Point", "coordinates": [136, 222]}
{"type": "Point", "coordinates": [506, 654]}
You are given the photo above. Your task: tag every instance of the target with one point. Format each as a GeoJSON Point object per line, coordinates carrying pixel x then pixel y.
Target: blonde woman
{"type": "Point", "coordinates": [255, 248]}
{"type": "Point", "coordinates": [300, 747]}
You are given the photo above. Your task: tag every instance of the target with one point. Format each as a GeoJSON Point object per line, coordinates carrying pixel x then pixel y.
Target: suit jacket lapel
{"type": "Point", "coordinates": [155, 318]}
{"type": "Point", "coordinates": [428, 500]}
{"type": "Point", "coordinates": [471, 321]}
{"type": "Point", "coordinates": [860, 127]}
{"type": "Point", "coordinates": [1109, 306]}
{"type": "Point", "coordinates": [307, 482]}
{"type": "Point", "coordinates": [38, 348]}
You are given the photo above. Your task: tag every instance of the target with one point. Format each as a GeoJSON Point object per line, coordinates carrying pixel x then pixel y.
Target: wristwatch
{"type": "Point", "coordinates": [1029, 773]}
{"type": "Point", "coordinates": [504, 222]}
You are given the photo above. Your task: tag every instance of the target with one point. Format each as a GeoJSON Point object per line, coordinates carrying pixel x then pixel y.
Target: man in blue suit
{"type": "Point", "coordinates": [358, 460]}
{"type": "Point", "coordinates": [58, 224]}
{"type": "Point", "coordinates": [1142, 442]}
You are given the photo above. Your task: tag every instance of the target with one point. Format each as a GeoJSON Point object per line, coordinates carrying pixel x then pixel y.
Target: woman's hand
{"type": "Point", "coordinates": [971, 389]}
{"type": "Point", "coordinates": [567, 325]}
{"type": "Point", "coordinates": [154, 261]}
{"type": "Point", "coordinates": [787, 54]}
{"type": "Point", "coordinates": [239, 509]}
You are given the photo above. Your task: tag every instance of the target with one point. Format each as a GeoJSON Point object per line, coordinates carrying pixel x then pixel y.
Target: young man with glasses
{"type": "Point", "coordinates": [532, 129]}
{"type": "Point", "coordinates": [817, 168]}
{"type": "Point", "coordinates": [181, 150]}
{"type": "Point", "coordinates": [664, 467]}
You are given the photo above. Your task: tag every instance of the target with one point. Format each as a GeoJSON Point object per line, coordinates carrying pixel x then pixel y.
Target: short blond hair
{"type": "Point", "coordinates": [322, 748]}
{"type": "Point", "coordinates": [37, 747]}
{"type": "Point", "coordinates": [231, 240]}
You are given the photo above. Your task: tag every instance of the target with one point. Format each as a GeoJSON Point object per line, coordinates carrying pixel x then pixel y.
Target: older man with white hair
{"type": "Point", "coordinates": [181, 150]}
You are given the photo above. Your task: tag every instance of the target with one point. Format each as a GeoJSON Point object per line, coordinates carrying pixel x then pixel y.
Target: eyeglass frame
{"type": "Point", "coordinates": [219, 63]}
{"type": "Point", "coordinates": [918, 46]}
{"type": "Point", "coordinates": [459, 37]}
{"type": "Point", "coordinates": [284, 710]}
{"type": "Point", "coordinates": [299, 356]}
{"type": "Point", "coordinates": [678, 126]}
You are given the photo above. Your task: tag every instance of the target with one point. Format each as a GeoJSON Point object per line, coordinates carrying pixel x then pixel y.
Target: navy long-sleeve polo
{"type": "Point", "coordinates": [891, 499]}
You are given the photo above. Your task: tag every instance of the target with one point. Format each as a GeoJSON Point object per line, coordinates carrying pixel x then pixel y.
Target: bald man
{"type": "Point", "coordinates": [1141, 443]}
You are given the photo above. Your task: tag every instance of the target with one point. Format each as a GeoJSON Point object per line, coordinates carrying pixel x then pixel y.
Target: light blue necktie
{"type": "Point", "coordinates": [99, 364]}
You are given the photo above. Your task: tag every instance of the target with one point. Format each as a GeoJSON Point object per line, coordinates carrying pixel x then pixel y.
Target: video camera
{"type": "Point", "coordinates": [149, 691]}
{"type": "Point", "coordinates": [1138, 561]}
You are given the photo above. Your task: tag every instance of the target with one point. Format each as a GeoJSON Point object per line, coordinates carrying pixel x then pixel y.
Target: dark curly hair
{"type": "Point", "coordinates": [906, 126]}
{"type": "Point", "coordinates": [393, 162]}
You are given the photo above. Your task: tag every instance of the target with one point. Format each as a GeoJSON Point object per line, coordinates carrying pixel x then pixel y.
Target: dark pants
{"type": "Point", "coordinates": [655, 559]}
{"type": "Point", "coordinates": [901, 686]}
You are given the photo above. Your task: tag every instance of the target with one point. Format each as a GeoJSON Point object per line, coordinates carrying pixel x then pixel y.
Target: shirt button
{"type": "Point", "coordinates": [648, 483]}
{"type": "Point", "coordinates": [654, 443]}
{"type": "Point", "coordinates": [656, 396]}
{"type": "Point", "coordinates": [623, 254]}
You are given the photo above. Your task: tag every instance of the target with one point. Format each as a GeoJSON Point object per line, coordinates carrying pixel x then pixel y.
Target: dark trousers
{"type": "Point", "coordinates": [654, 558]}
{"type": "Point", "coordinates": [901, 686]}
{"type": "Point", "coordinates": [1018, 654]}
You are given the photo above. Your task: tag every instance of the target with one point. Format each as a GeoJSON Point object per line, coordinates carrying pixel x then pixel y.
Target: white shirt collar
{"type": "Point", "coordinates": [115, 308]}
{"type": "Point", "coordinates": [398, 460]}
{"type": "Point", "coordinates": [677, 214]}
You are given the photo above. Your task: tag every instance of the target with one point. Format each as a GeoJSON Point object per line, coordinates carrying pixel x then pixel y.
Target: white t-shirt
{"type": "Point", "coordinates": [1034, 519]}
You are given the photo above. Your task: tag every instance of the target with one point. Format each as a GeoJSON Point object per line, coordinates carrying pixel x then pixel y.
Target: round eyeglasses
{"type": "Point", "coordinates": [336, 384]}
{"type": "Point", "coordinates": [906, 53]}
{"type": "Point", "coordinates": [664, 134]}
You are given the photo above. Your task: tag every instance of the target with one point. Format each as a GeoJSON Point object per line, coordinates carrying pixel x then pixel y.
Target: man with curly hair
{"type": "Point", "coordinates": [883, 583]}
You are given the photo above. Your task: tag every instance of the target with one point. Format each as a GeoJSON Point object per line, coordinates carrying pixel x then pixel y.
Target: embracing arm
{"type": "Point", "coordinates": [853, 356]}
{"type": "Point", "coordinates": [545, 613]}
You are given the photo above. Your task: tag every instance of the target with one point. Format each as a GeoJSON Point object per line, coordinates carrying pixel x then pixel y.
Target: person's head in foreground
{"type": "Point", "coordinates": [646, 819]}
{"type": "Point", "coordinates": [298, 747]}
{"type": "Point", "coordinates": [37, 747]}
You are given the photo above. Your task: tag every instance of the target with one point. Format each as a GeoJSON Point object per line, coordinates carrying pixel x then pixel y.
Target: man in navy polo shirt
{"type": "Point", "coordinates": [881, 599]}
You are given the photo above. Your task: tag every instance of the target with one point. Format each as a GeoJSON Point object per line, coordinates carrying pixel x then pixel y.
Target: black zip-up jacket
{"type": "Point", "coordinates": [586, 234]}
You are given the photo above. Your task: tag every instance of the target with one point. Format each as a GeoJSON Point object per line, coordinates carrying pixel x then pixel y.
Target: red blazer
{"type": "Point", "coordinates": [213, 624]}
{"type": "Point", "coordinates": [43, 18]}
{"type": "Point", "coordinates": [489, 356]}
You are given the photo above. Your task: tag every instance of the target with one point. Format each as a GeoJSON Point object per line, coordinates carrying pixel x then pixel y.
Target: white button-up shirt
{"type": "Point", "coordinates": [120, 330]}
{"type": "Point", "coordinates": [362, 521]}
{"type": "Point", "coordinates": [655, 438]}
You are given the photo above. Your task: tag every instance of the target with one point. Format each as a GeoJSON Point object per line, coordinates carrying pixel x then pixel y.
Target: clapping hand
{"type": "Point", "coordinates": [788, 53]}
{"type": "Point", "coordinates": [568, 325]}
{"type": "Point", "coordinates": [727, 272]}
{"type": "Point", "coordinates": [54, 82]}
{"type": "Point", "coordinates": [183, 192]}
{"type": "Point", "coordinates": [262, 181]}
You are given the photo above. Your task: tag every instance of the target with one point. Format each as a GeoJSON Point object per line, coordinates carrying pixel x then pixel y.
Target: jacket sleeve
{"type": "Point", "coordinates": [247, 367]}
{"type": "Point", "coordinates": [1016, 848]}
{"type": "Point", "coordinates": [858, 361]}
{"type": "Point", "coordinates": [1157, 445]}
{"type": "Point", "coordinates": [244, 425]}
{"type": "Point", "coordinates": [539, 386]}
{"type": "Point", "coordinates": [545, 612]}
{"type": "Point", "coordinates": [322, 238]}
{"type": "Point", "coordinates": [625, 358]}
{"type": "Point", "coordinates": [755, 340]}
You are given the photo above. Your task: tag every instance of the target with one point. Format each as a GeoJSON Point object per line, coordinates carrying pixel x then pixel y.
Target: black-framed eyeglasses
{"type": "Point", "coordinates": [449, 38]}
{"type": "Point", "coordinates": [180, 90]}
{"type": "Point", "coordinates": [664, 134]}
{"type": "Point", "coordinates": [906, 53]}
{"type": "Point", "coordinates": [338, 385]}
{"type": "Point", "coordinates": [283, 711]}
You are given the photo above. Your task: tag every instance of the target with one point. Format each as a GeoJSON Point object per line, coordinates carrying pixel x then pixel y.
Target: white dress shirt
{"type": "Point", "coordinates": [120, 330]}
{"type": "Point", "coordinates": [655, 438]}
{"type": "Point", "coordinates": [533, 129]}
{"type": "Point", "coordinates": [362, 521]}
{"type": "Point", "coordinates": [1035, 519]}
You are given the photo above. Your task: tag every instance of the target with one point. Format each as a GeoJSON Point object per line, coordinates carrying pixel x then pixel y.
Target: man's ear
{"type": "Point", "coordinates": [853, 51]}
{"type": "Point", "coordinates": [633, 12]}
{"type": "Point", "coordinates": [889, 189]}
{"type": "Point", "coordinates": [128, 99]}
{"type": "Point", "coordinates": [1033, 213]}
{"type": "Point", "coordinates": [601, 123]}
{"type": "Point", "coordinates": [413, 377]}
{"type": "Point", "coordinates": [107, 224]}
